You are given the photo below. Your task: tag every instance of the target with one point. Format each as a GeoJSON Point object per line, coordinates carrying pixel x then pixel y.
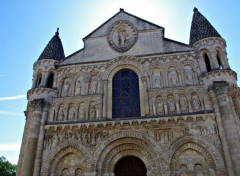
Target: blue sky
{"type": "Point", "coordinates": [27, 26]}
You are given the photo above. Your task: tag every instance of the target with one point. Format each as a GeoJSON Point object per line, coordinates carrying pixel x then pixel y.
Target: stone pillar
{"type": "Point", "coordinates": [146, 99]}
{"type": "Point", "coordinates": [24, 141]}
{"type": "Point", "coordinates": [202, 65]}
{"type": "Point", "coordinates": [221, 90]}
{"type": "Point", "coordinates": [32, 138]}
{"type": "Point", "coordinates": [105, 97]}
{"type": "Point", "coordinates": [38, 160]}
{"type": "Point", "coordinates": [222, 134]}
{"type": "Point", "coordinates": [213, 59]}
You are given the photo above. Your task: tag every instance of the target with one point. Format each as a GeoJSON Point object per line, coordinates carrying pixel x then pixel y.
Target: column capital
{"type": "Point", "coordinates": [37, 104]}
{"type": "Point", "coordinates": [221, 87]}
{"type": "Point", "coordinates": [105, 81]}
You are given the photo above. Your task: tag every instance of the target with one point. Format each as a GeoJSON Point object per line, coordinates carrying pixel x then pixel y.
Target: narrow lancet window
{"type": "Point", "coordinates": [207, 62]}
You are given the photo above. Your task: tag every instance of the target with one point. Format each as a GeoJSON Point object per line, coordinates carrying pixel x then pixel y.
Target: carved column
{"type": "Point", "coordinates": [144, 81]}
{"type": "Point", "coordinates": [32, 138]}
{"type": "Point", "coordinates": [105, 97]}
{"type": "Point", "coordinates": [221, 90]}
{"type": "Point", "coordinates": [24, 142]}
{"type": "Point", "coordinates": [213, 59]}
{"type": "Point", "coordinates": [38, 160]}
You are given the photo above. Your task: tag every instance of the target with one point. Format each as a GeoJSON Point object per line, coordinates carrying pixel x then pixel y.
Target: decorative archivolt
{"type": "Point", "coordinates": [123, 63]}
{"type": "Point", "coordinates": [124, 144]}
{"type": "Point", "coordinates": [198, 144]}
{"type": "Point", "coordinates": [63, 149]}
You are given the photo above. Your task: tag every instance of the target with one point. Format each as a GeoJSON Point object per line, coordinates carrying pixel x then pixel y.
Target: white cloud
{"type": "Point", "coordinates": [10, 147]}
{"type": "Point", "coordinates": [17, 97]}
{"type": "Point", "coordinates": [10, 113]}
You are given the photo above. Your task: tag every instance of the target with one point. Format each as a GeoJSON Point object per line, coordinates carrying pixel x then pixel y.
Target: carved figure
{"type": "Point", "coordinates": [81, 111]}
{"type": "Point", "coordinates": [122, 36]}
{"type": "Point", "coordinates": [188, 76]}
{"type": "Point", "coordinates": [61, 116]}
{"type": "Point", "coordinates": [79, 86]}
{"type": "Point", "coordinates": [93, 87]}
{"type": "Point", "coordinates": [171, 106]}
{"type": "Point", "coordinates": [92, 112]}
{"type": "Point", "coordinates": [65, 172]}
{"type": "Point", "coordinates": [173, 77]}
{"type": "Point", "coordinates": [156, 80]}
{"type": "Point", "coordinates": [196, 104]}
{"type": "Point", "coordinates": [71, 115]}
{"type": "Point", "coordinates": [183, 104]}
{"type": "Point", "coordinates": [66, 87]}
{"type": "Point", "coordinates": [160, 107]}
{"type": "Point", "coordinates": [79, 172]}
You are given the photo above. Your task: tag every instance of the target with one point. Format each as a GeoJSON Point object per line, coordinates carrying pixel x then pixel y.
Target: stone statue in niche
{"type": "Point", "coordinates": [160, 106]}
{"type": "Point", "coordinates": [79, 86]}
{"type": "Point", "coordinates": [164, 136]}
{"type": "Point", "coordinates": [66, 87]}
{"type": "Point", "coordinates": [81, 111]}
{"type": "Point", "coordinates": [188, 76]}
{"type": "Point", "coordinates": [72, 114]}
{"type": "Point", "coordinates": [156, 79]}
{"type": "Point", "coordinates": [196, 104]}
{"type": "Point", "coordinates": [92, 112]}
{"type": "Point", "coordinates": [171, 106]}
{"type": "Point", "coordinates": [183, 104]}
{"type": "Point", "coordinates": [61, 116]}
{"type": "Point", "coordinates": [93, 87]}
{"type": "Point", "coordinates": [173, 78]}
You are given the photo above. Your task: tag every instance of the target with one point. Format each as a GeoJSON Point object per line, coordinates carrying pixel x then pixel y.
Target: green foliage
{"type": "Point", "coordinates": [7, 168]}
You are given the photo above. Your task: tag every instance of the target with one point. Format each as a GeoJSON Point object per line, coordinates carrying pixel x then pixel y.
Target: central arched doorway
{"type": "Point", "coordinates": [130, 166]}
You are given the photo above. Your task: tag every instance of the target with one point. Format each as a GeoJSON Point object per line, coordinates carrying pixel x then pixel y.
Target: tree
{"type": "Point", "coordinates": [7, 168]}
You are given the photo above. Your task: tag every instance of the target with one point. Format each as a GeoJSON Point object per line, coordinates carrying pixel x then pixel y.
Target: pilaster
{"type": "Point", "coordinates": [32, 137]}
{"type": "Point", "coordinates": [221, 90]}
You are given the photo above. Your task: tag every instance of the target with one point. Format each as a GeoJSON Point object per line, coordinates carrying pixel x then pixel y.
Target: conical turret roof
{"type": "Point", "coordinates": [201, 28]}
{"type": "Point", "coordinates": [54, 49]}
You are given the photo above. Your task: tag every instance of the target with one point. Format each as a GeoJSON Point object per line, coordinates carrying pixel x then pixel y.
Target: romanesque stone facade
{"type": "Point", "coordinates": [133, 102]}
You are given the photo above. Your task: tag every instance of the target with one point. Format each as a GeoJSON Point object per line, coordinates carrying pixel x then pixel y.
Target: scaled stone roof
{"type": "Point", "coordinates": [54, 49]}
{"type": "Point", "coordinates": [201, 28]}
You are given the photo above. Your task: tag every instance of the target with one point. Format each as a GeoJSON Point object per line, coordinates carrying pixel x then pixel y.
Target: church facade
{"type": "Point", "coordinates": [133, 103]}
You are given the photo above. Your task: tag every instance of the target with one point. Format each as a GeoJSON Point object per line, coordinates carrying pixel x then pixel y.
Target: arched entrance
{"type": "Point", "coordinates": [126, 101]}
{"type": "Point", "coordinates": [130, 166]}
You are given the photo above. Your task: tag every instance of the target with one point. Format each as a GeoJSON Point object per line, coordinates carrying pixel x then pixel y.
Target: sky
{"type": "Point", "coordinates": [27, 26]}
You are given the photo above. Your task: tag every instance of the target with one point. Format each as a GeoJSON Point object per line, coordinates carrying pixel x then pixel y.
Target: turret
{"type": "Point", "coordinates": [210, 48]}
{"type": "Point", "coordinates": [44, 68]}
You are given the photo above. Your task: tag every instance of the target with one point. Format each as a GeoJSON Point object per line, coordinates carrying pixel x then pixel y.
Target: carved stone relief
{"type": "Point", "coordinates": [122, 36]}
{"type": "Point", "coordinates": [79, 86]}
{"type": "Point", "coordinates": [196, 104]}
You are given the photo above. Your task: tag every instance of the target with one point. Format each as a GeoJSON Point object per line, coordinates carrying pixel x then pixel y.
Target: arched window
{"type": "Point", "coordinates": [39, 80]}
{"type": "Point", "coordinates": [125, 94]}
{"type": "Point", "coordinates": [207, 62]}
{"type": "Point", "coordinates": [50, 80]}
{"type": "Point", "coordinates": [219, 60]}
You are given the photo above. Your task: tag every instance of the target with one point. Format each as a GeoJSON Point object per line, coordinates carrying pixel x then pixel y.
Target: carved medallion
{"type": "Point", "coordinates": [122, 36]}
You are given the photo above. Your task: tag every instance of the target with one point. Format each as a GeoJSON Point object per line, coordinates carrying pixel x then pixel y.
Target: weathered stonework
{"type": "Point", "coordinates": [189, 106]}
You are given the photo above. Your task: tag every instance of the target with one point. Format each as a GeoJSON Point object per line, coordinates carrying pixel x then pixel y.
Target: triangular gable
{"type": "Point", "coordinates": [139, 23]}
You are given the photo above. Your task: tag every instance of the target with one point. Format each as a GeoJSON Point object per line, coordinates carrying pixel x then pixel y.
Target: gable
{"type": "Point", "coordinates": [139, 23]}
